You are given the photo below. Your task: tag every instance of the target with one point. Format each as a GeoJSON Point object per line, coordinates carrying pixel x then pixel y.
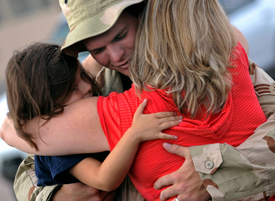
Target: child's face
{"type": "Point", "coordinates": [83, 88]}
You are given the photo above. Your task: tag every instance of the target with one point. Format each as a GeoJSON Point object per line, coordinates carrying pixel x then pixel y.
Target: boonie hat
{"type": "Point", "coordinates": [88, 18]}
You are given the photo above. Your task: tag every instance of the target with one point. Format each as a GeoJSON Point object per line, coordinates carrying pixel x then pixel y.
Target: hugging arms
{"type": "Point", "coordinates": [83, 112]}
{"type": "Point", "coordinates": [245, 151]}
{"type": "Point", "coordinates": [198, 153]}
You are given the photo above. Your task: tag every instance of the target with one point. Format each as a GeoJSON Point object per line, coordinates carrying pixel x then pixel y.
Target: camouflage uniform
{"type": "Point", "coordinates": [247, 171]}
{"type": "Point", "coordinates": [25, 183]}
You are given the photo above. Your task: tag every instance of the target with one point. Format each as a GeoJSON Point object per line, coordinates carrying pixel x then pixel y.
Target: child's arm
{"type": "Point", "coordinates": [109, 175]}
{"type": "Point", "coordinates": [9, 135]}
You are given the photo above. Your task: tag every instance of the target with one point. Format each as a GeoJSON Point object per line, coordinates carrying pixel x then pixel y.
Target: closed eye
{"type": "Point", "coordinates": [97, 51]}
{"type": "Point", "coordinates": [120, 37]}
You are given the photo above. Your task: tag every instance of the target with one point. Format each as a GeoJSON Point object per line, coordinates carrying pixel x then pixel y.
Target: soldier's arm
{"type": "Point", "coordinates": [247, 171]}
{"type": "Point", "coordinates": [25, 183]}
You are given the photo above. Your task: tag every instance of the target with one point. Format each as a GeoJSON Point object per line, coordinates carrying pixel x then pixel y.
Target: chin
{"type": "Point", "coordinates": [126, 72]}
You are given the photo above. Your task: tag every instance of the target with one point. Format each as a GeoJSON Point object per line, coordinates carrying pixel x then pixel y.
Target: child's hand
{"type": "Point", "coordinates": [150, 126]}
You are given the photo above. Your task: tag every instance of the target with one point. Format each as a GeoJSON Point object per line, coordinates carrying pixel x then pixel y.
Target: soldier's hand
{"type": "Point", "coordinates": [81, 192]}
{"type": "Point", "coordinates": [185, 183]}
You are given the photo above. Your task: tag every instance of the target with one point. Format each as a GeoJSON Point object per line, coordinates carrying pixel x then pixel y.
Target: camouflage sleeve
{"type": "Point", "coordinates": [25, 183]}
{"type": "Point", "coordinates": [246, 172]}
{"type": "Point", "coordinates": [112, 82]}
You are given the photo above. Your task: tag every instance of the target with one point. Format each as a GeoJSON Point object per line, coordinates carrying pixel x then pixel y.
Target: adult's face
{"type": "Point", "coordinates": [114, 48]}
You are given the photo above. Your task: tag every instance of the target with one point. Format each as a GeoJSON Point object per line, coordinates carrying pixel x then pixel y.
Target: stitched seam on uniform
{"type": "Point", "coordinates": [271, 182]}
{"type": "Point", "coordinates": [32, 176]}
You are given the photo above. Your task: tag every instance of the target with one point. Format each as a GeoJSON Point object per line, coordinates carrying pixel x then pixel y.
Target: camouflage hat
{"type": "Point", "coordinates": [88, 18]}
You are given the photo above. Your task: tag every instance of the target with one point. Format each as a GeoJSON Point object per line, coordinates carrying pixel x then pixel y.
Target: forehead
{"type": "Point", "coordinates": [125, 20]}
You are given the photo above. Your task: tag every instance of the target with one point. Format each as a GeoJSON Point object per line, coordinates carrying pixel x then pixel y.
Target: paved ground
{"type": "Point", "coordinates": [6, 191]}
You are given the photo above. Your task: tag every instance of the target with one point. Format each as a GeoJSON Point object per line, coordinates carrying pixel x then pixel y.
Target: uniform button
{"type": "Point", "coordinates": [209, 165]}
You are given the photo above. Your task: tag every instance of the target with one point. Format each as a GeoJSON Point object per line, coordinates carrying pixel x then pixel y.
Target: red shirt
{"type": "Point", "coordinates": [239, 118]}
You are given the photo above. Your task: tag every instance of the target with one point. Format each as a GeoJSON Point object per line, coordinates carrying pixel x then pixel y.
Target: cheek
{"type": "Point", "coordinates": [132, 36]}
{"type": "Point", "coordinates": [75, 97]}
{"type": "Point", "coordinates": [102, 59]}
{"type": "Point", "coordinates": [130, 41]}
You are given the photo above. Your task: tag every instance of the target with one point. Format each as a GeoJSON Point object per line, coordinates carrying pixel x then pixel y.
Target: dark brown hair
{"type": "Point", "coordinates": [40, 79]}
{"type": "Point", "coordinates": [136, 9]}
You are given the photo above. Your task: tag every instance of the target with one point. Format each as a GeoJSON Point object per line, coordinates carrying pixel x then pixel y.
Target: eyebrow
{"type": "Point", "coordinates": [120, 33]}
{"type": "Point", "coordinates": [114, 39]}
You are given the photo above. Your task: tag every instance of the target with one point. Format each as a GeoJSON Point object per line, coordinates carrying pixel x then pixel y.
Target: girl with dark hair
{"type": "Point", "coordinates": [41, 82]}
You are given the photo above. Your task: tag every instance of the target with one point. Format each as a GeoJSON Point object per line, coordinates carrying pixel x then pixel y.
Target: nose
{"type": "Point", "coordinates": [116, 52]}
{"type": "Point", "coordinates": [86, 89]}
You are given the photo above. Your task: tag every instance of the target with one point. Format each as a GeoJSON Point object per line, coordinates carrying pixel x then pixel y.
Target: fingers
{"type": "Point", "coordinates": [141, 107]}
{"type": "Point", "coordinates": [176, 149]}
{"type": "Point", "coordinates": [166, 180]}
{"type": "Point", "coordinates": [165, 114]}
{"type": "Point", "coordinates": [167, 136]}
{"type": "Point", "coordinates": [167, 193]}
{"type": "Point", "coordinates": [172, 122]}
{"type": "Point", "coordinates": [170, 118]}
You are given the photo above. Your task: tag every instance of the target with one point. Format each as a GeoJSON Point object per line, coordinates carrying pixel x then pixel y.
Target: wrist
{"type": "Point", "coordinates": [132, 136]}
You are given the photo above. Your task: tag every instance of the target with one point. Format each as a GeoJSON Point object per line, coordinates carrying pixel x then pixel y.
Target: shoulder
{"type": "Point", "coordinates": [241, 38]}
{"type": "Point", "coordinates": [79, 124]}
{"type": "Point", "coordinates": [84, 109]}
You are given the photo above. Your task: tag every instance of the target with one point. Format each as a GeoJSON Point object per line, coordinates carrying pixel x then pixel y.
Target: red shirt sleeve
{"type": "Point", "coordinates": [116, 113]}
{"type": "Point", "coordinates": [109, 118]}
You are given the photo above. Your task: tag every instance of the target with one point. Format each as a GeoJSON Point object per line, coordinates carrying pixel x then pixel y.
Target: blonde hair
{"type": "Point", "coordinates": [184, 47]}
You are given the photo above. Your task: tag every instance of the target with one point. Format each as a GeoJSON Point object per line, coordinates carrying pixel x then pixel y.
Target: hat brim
{"type": "Point", "coordinates": [88, 28]}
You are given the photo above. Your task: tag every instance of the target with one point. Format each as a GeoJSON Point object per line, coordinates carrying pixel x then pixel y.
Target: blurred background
{"type": "Point", "coordinates": [21, 22]}
{"type": "Point", "coordinates": [26, 21]}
